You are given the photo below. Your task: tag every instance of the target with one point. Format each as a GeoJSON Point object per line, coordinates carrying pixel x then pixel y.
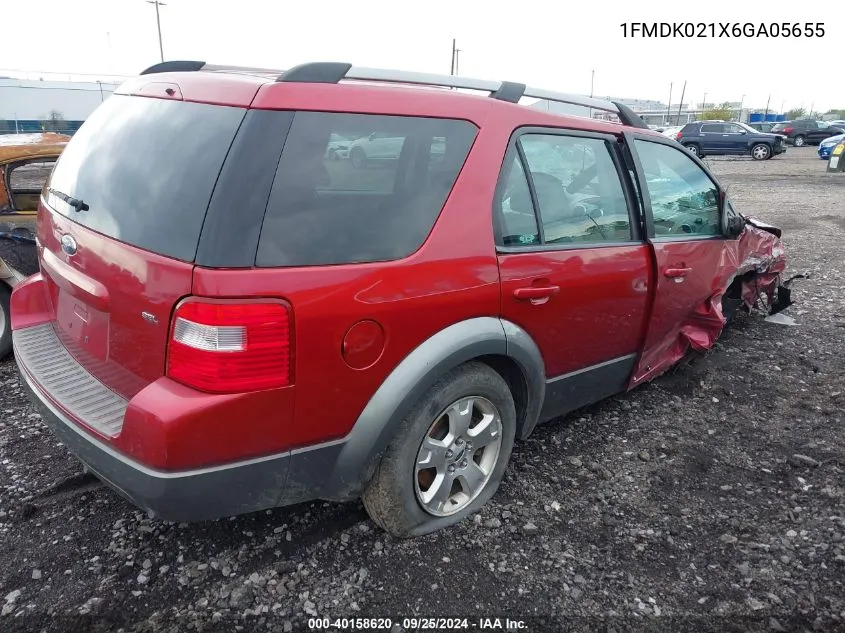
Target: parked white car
{"type": "Point", "coordinates": [381, 146]}
{"type": "Point", "coordinates": [672, 132]}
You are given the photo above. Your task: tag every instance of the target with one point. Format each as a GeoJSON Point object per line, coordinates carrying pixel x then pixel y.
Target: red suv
{"type": "Point", "coordinates": [260, 289]}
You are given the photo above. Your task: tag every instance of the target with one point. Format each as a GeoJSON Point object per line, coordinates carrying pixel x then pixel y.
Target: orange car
{"type": "Point", "coordinates": [26, 161]}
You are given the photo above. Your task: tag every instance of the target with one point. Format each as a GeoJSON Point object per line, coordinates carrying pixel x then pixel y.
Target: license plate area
{"type": "Point", "coordinates": [86, 327]}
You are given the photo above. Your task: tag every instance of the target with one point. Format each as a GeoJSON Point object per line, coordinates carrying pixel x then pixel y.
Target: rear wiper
{"type": "Point", "coordinates": [77, 204]}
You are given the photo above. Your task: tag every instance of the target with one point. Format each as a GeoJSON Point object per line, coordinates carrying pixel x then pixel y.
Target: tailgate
{"type": "Point", "coordinates": [119, 226]}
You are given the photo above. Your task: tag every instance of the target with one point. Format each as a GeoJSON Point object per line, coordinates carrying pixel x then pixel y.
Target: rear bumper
{"type": "Point", "coordinates": [85, 415]}
{"type": "Point", "coordinates": [193, 495]}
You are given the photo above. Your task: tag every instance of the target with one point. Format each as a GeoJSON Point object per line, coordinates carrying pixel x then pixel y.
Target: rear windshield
{"type": "Point", "coordinates": [145, 168]}
{"type": "Point", "coordinates": [356, 188]}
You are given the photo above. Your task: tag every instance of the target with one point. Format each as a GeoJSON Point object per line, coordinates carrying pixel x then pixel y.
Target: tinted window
{"type": "Point", "coordinates": [146, 169]}
{"type": "Point", "coordinates": [515, 212]}
{"type": "Point", "coordinates": [374, 200]}
{"type": "Point", "coordinates": [577, 187]}
{"type": "Point", "coordinates": [684, 200]}
{"type": "Point", "coordinates": [733, 129]}
{"type": "Point", "coordinates": [713, 128]}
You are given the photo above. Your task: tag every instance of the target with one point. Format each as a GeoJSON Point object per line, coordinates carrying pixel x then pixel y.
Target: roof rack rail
{"type": "Point", "coordinates": [195, 66]}
{"type": "Point", "coordinates": [175, 66]}
{"type": "Point", "coordinates": [512, 92]}
{"type": "Point", "coordinates": [335, 72]}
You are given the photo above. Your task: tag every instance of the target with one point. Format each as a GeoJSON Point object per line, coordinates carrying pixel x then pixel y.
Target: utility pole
{"type": "Point", "coordinates": [767, 107]}
{"type": "Point", "coordinates": [704, 102]}
{"type": "Point", "coordinates": [741, 101]}
{"type": "Point", "coordinates": [669, 106]}
{"type": "Point", "coordinates": [158, 4]}
{"type": "Point", "coordinates": [592, 82]}
{"type": "Point", "coordinates": [681, 104]}
{"type": "Point", "coordinates": [455, 53]}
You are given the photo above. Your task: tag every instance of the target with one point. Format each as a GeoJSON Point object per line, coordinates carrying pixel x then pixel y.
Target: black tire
{"type": "Point", "coordinates": [694, 149]}
{"type": "Point", "coordinates": [732, 302]}
{"type": "Point", "coordinates": [390, 497]}
{"type": "Point", "coordinates": [358, 158]}
{"type": "Point", "coordinates": [5, 321]}
{"type": "Point", "coordinates": [798, 141]}
{"type": "Point", "coordinates": [761, 151]}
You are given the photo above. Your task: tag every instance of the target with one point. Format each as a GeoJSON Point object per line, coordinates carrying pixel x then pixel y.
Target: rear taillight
{"type": "Point", "coordinates": [230, 347]}
{"type": "Point", "coordinates": [788, 130]}
{"type": "Point", "coordinates": [678, 136]}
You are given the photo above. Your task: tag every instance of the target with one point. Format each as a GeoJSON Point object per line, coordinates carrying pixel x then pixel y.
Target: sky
{"type": "Point", "coordinates": [551, 44]}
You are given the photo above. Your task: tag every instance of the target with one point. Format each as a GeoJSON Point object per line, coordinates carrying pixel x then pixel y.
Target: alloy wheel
{"type": "Point", "coordinates": [457, 456]}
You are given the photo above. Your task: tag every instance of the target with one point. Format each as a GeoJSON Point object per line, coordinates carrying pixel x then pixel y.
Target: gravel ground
{"type": "Point", "coordinates": [710, 499]}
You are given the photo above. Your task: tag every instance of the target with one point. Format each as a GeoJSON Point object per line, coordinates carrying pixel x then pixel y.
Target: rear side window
{"type": "Point", "coordinates": [576, 188]}
{"type": "Point", "coordinates": [354, 188]}
{"type": "Point", "coordinates": [146, 169]}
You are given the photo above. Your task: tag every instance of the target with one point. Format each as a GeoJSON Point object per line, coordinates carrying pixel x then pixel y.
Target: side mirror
{"type": "Point", "coordinates": [733, 224]}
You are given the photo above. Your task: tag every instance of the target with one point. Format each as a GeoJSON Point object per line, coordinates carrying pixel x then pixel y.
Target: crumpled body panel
{"type": "Point", "coordinates": [756, 259]}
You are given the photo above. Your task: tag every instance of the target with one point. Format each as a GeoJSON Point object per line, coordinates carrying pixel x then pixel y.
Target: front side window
{"type": "Point", "coordinates": [684, 200]}
{"type": "Point", "coordinates": [576, 188]}
{"type": "Point", "coordinates": [354, 188]}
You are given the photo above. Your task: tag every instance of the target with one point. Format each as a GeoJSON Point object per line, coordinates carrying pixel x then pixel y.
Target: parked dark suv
{"type": "Point", "coordinates": [710, 138]}
{"type": "Point", "coordinates": [229, 317]}
{"type": "Point", "coordinates": [807, 131]}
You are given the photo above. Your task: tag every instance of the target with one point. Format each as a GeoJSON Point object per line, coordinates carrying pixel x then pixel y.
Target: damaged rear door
{"type": "Point", "coordinates": [682, 219]}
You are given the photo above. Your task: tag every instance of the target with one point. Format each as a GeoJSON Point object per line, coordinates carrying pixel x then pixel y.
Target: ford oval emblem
{"type": "Point", "coordinates": [69, 244]}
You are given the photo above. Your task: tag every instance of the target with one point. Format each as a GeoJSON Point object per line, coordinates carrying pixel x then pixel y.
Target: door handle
{"type": "Point", "coordinates": [676, 273]}
{"type": "Point", "coordinates": [536, 292]}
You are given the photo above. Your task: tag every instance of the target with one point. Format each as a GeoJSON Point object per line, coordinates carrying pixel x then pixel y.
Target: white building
{"type": "Point", "coordinates": [29, 102]}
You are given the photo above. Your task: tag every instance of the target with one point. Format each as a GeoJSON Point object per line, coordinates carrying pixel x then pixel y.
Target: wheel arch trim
{"type": "Point", "coordinates": [417, 373]}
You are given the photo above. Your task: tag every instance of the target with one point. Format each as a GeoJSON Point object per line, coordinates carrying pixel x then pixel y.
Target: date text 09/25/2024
{"type": "Point", "coordinates": [794, 30]}
{"type": "Point", "coordinates": [416, 624]}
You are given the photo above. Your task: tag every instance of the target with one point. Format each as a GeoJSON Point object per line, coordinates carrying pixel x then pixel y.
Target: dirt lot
{"type": "Point", "coordinates": [710, 500]}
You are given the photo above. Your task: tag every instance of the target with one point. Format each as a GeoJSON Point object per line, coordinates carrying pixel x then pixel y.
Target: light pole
{"type": "Point", "coordinates": [157, 4]}
{"type": "Point", "coordinates": [741, 101]}
{"type": "Point", "coordinates": [669, 107]}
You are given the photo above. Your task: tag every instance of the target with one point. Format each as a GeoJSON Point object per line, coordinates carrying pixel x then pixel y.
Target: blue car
{"type": "Point", "coordinates": [827, 145]}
